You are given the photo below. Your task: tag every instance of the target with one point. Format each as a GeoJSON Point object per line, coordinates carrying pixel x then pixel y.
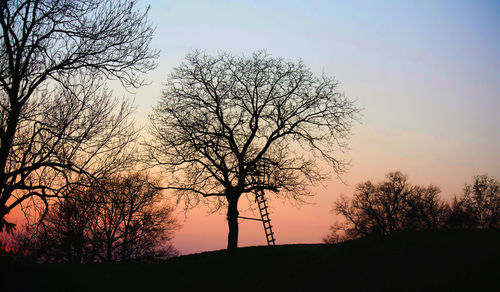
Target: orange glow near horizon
{"type": "Point", "coordinates": [309, 223]}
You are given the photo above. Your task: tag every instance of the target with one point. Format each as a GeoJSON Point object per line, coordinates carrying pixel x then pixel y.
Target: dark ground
{"type": "Point", "coordinates": [424, 261]}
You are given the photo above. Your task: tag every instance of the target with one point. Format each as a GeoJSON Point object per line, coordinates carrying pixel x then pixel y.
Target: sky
{"type": "Point", "coordinates": [425, 73]}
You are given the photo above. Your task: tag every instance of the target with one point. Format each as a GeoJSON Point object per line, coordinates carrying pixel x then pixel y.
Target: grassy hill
{"type": "Point", "coordinates": [424, 261]}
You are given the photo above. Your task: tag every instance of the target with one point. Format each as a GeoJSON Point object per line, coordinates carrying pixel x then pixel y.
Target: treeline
{"type": "Point", "coordinates": [395, 205]}
{"type": "Point", "coordinates": [118, 218]}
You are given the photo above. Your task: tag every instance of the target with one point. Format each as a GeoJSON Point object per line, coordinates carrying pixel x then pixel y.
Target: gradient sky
{"type": "Point", "coordinates": [426, 73]}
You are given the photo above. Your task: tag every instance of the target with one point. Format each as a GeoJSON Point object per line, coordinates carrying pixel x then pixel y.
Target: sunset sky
{"type": "Point", "coordinates": [426, 73]}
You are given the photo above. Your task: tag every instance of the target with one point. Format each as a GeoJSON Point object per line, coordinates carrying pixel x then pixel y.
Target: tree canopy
{"type": "Point", "coordinates": [388, 207]}
{"type": "Point", "coordinates": [479, 207]}
{"type": "Point", "coordinates": [57, 116]}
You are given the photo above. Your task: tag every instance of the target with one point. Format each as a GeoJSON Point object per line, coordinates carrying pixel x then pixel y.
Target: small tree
{"type": "Point", "coordinates": [481, 201]}
{"type": "Point", "coordinates": [56, 117]}
{"type": "Point", "coordinates": [389, 207]}
{"type": "Point", "coordinates": [120, 218]}
{"type": "Point", "coordinates": [377, 209]}
{"type": "Point", "coordinates": [132, 223]}
{"type": "Point", "coordinates": [221, 117]}
{"type": "Point", "coordinates": [64, 235]}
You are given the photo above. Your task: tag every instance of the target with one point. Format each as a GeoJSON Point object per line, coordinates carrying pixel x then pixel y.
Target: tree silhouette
{"type": "Point", "coordinates": [388, 207]}
{"type": "Point", "coordinates": [220, 117]}
{"type": "Point", "coordinates": [481, 202]}
{"type": "Point", "coordinates": [425, 210]}
{"type": "Point", "coordinates": [57, 117]}
{"type": "Point", "coordinates": [120, 218]}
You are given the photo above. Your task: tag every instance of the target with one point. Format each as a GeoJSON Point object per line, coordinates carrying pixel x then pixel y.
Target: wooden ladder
{"type": "Point", "coordinates": [264, 215]}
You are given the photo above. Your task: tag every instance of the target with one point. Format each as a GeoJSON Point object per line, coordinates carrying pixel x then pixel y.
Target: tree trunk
{"type": "Point", "coordinates": [109, 255]}
{"type": "Point", "coordinates": [6, 142]}
{"type": "Point", "coordinates": [232, 221]}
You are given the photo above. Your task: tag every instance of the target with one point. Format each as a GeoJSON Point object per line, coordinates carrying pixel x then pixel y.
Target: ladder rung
{"type": "Point", "coordinates": [264, 214]}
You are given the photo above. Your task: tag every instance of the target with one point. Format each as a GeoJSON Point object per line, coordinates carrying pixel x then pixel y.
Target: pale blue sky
{"type": "Point", "coordinates": [427, 74]}
{"type": "Point", "coordinates": [430, 67]}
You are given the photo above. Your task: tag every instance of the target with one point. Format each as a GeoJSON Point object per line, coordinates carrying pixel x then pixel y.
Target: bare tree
{"type": "Point", "coordinates": [376, 209]}
{"type": "Point", "coordinates": [388, 207]}
{"type": "Point", "coordinates": [57, 118]}
{"type": "Point", "coordinates": [481, 202]}
{"type": "Point", "coordinates": [425, 210]}
{"type": "Point", "coordinates": [133, 223]}
{"type": "Point", "coordinates": [63, 236]}
{"type": "Point", "coordinates": [222, 116]}
{"type": "Point", "coordinates": [120, 218]}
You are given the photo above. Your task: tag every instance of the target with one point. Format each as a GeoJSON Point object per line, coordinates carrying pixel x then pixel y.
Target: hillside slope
{"type": "Point", "coordinates": [424, 261]}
